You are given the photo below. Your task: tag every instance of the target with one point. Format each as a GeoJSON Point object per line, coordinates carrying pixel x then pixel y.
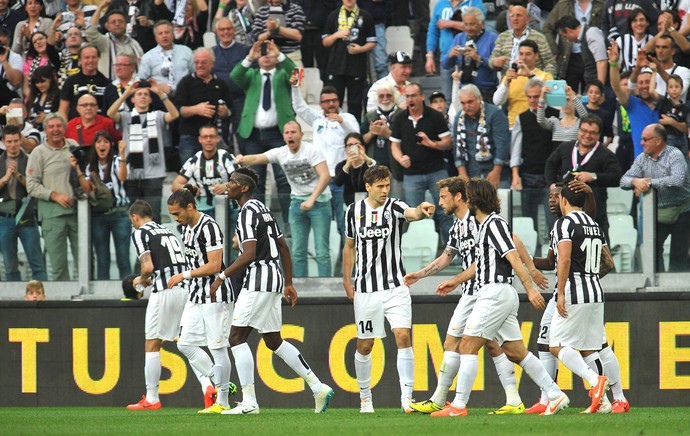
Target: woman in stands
{"type": "Point", "coordinates": [43, 97]}
{"type": "Point", "coordinates": [108, 165]}
{"type": "Point", "coordinates": [40, 53]}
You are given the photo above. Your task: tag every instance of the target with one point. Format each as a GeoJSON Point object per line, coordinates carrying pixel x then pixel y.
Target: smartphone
{"type": "Point", "coordinates": [515, 67]}
{"type": "Point", "coordinates": [264, 49]}
{"type": "Point", "coordinates": [354, 148]}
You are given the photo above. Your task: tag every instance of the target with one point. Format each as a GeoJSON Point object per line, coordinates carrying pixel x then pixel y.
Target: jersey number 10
{"type": "Point", "coordinates": [592, 249]}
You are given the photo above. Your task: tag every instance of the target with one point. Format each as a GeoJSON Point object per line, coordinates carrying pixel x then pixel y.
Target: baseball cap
{"type": "Point", "coordinates": [399, 57]}
{"type": "Point", "coordinates": [435, 95]}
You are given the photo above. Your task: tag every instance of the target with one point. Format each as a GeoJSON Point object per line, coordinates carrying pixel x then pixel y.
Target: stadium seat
{"type": "Point", "coordinates": [399, 38]}
{"type": "Point", "coordinates": [419, 245]}
{"type": "Point", "coordinates": [524, 228]}
{"type": "Point", "coordinates": [623, 236]}
{"type": "Point", "coordinates": [619, 202]}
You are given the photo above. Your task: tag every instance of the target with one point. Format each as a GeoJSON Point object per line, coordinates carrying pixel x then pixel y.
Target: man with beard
{"type": "Point", "coordinates": [330, 125]}
{"type": "Point", "coordinates": [398, 78]}
{"type": "Point", "coordinates": [461, 241]}
{"type": "Point", "coordinates": [376, 131]}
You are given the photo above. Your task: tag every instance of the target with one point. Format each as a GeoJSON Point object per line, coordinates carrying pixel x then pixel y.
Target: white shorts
{"type": "Point", "coordinates": [371, 307]}
{"type": "Point", "coordinates": [206, 325]}
{"type": "Point", "coordinates": [460, 315]}
{"type": "Point", "coordinates": [495, 314]}
{"type": "Point", "coordinates": [582, 330]}
{"type": "Point", "coordinates": [259, 310]}
{"type": "Point", "coordinates": [545, 326]}
{"type": "Point", "coordinates": [163, 313]}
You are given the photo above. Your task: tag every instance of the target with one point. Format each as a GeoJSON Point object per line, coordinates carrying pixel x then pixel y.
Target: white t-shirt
{"type": "Point", "coordinates": [684, 74]}
{"type": "Point", "coordinates": [299, 167]}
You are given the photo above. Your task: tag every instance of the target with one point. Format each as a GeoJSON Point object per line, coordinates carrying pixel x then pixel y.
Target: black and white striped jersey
{"type": "Point", "coordinates": [494, 241]}
{"type": "Point", "coordinates": [208, 172]}
{"type": "Point", "coordinates": [199, 241]}
{"type": "Point", "coordinates": [166, 251]}
{"type": "Point", "coordinates": [587, 242]}
{"type": "Point", "coordinates": [462, 238]}
{"type": "Point", "coordinates": [256, 223]}
{"type": "Point", "coordinates": [377, 234]}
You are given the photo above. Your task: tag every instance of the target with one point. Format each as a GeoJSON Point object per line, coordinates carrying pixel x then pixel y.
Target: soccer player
{"type": "Point", "coordinates": [461, 241]}
{"type": "Point", "coordinates": [578, 324]}
{"type": "Point", "coordinates": [494, 315]}
{"type": "Point", "coordinates": [608, 359]}
{"type": "Point", "coordinates": [262, 250]}
{"type": "Point", "coordinates": [204, 323]}
{"type": "Point", "coordinates": [373, 230]}
{"type": "Point", "coordinates": [161, 256]}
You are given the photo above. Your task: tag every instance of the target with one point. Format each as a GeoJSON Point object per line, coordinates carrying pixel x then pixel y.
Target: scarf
{"type": "Point", "coordinates": [385, 116]}
{"type": "Point", "coordinates": [482, 145]}
{"type": "Point", "coordinates": [69, 66]}
{"type": "Point", "coordinates": [346, 22]}
{"type": "Point", "coordinates": [188, 28]}
{"type": "Point", "coordinates": [179, 9]}
{"type": "Point", "coordinates": [515, 52]}
{"type": "Point", "coordinates": [136, 138]}
{"type": "Point", "coordinates": [132, 12]}
{"type": "Point", "coordinates": [167, 68]}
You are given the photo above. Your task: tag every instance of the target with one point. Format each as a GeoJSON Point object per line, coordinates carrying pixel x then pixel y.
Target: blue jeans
{"type": "Point", "coordinates": [317, 219]}
{"type": "Point", "coordinates": [102, 224]}
{"type": "Point", "coordinates": [187, 146]}
{"type": "Point", "coordinates": [415, 187]}
{"type": "Point", "coordinates": [379, 52]}
{"type": "Point", "coordinates": [9, 232]}
{"type": "Point", "coordinates": [260, 141]}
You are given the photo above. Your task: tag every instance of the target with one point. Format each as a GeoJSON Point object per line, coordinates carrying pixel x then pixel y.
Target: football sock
{"type": "Point", "coordinates": [244, 362]}
{"type": "Point", "coordinates": [550, 363]}
{"type": "Point", "coordinates": [574, 362]}
{"type": "Point", "coordinates": [506, 374]}
{"type": "Point", "coordinates": [595, 364]}
{"type": "Point", "coordinates": [406, 371]}
{"type": "Point", "coordinates": [469, 366]}
{"type": "Point", "coordinates": [363, 371]}
{"type": "Point", "coordinates": [200, 363]}
{"type": "Point", "coordinates": [295, 360]}
{"type": "Point", "coordinates": [152, 375]}
{"type": "Point", "coordinates": [612, 370]}
{"type": "Point", "coordinates": [535, 370]}
{"type": "Point", "coordinates": [221, 375]}
{"type": "Point", "coordinates": [449, 369]}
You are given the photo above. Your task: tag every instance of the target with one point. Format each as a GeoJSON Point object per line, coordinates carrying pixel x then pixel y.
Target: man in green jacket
{"type": "Point", "coordinates": [267, 107]}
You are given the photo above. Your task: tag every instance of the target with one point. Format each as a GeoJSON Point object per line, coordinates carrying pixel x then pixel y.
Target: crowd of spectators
{"type": "Point", "coordinates": [119, 93]}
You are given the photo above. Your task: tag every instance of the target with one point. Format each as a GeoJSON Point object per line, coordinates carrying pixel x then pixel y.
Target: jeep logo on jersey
{"type": "Point", "coordinates": [467, 244]}
{"type": "Point", "coordinates": [374, 232]}
{"type": "Point", "coordinates": [191, 252]}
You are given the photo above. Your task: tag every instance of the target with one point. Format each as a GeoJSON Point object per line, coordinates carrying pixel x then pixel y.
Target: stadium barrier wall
{"type": "Point", "coordinates": [91, 354]}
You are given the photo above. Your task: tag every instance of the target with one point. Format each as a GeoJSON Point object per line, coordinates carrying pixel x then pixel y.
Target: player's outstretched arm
{"type": "Point", "coordinates": [537, 276]}
{"type": "Point", "coordinates": [289, 292]}
{"type": "Point", "coordinates": [424, 210]}
{"type": "Point", "coordinates": [535, 298]}
{"type": "Point", "coordinates": [348, 264]}
{"type": "Point", "coordinates": [448, 286]}
{"type": "Point", "coordinates": [439, 264]}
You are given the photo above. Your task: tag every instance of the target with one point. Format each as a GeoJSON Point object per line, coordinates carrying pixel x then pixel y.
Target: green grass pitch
{"type": "Point", "coordinates": [104, 420]}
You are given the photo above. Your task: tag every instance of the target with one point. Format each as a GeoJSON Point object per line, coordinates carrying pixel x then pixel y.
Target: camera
{"type": "Point", "coordinates": [515, 67]}
{"type": "Point", "coordinates": [68, 17]}
{"type": "Point", "coordinates": [81, 154]}
{"type": "Point", "coordinates": [144, 84]}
